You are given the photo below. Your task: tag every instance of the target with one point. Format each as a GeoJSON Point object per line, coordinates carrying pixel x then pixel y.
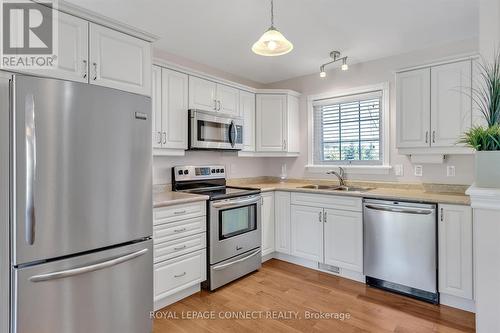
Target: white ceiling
{"type": "Point", "coordinates": [220, 33]}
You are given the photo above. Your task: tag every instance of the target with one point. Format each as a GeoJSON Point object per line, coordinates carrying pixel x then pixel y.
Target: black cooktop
{"type": "Point", "coordinates": [224, 192]}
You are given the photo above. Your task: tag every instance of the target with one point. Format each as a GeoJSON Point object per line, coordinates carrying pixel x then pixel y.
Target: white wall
{"type": "Point", "coordinates": [489, 27]}
{"type": "Point", "coordinates": [369, 73]}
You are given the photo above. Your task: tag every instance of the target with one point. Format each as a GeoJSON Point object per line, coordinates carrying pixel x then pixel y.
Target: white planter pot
{"type": "Point", "coordinates": [488, 169]}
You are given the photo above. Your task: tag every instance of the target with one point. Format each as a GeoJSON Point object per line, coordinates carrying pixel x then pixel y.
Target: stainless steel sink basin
{"type": "Point", "coordinates": [319, 187]}
{"type": "Point", "coordinates": [336, 188]}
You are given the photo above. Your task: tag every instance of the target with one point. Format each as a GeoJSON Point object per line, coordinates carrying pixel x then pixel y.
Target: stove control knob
{"type": "Point", "coordinates": [213, 170]}
{"type": "Point", "coordinates": [217, 170]}
{"type": "Point", "coordinates": [222, 170]}
{"type": "Point", "coordinates": [186, 172]}
{"type": "Point", "coordinates": [179, 172]}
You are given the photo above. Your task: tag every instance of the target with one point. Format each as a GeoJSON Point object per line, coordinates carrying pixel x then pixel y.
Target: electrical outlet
{"type": "Point", "coordinates": [398, 170]}
{"type": "Point", "coordinates": [419, 170]}
{"type": "Point", "coordinates": [450, 171]}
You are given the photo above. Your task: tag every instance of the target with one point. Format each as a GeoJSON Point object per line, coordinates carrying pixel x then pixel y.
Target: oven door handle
{"type": "Point", "coordinates": [228, 203]}
{"type": "Point", "coordinates": [223, 266]}
{"type": "Point", "coordinates": [232, 134]}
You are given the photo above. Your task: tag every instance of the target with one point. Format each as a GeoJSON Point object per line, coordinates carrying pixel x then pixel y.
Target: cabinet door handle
{"type": "Point", "coordinates": [215, 104]}
{"type": "Point", "coordinates": [159, 137]}
{"type": "Point", "coordinates": [180, 275]}
{"type": "Point", "coordinates": [433, 136]}
{"type": "Point", "coordinates": [320, 217]}
{"type": "Point", "coordinates": [164, 137]}
{"type": "Point", "coordinates": [442, 214]}
{"type": "Point", "coordinates": [284, 144]}
{"type": "Point", "coordinates": [180, 230]}
{"type": "Point", "coordinates": [426, 136]}
{"type": "Point", "coordinates": [94, 64]}
{"type": "Point", "coordinates": [85, 69]}
{"type": "Point", "coordinates": [220, 106]}
{"type": "Point", "coordinates": [180, 247]}
{"type": "Point", "coordinates": [324, 217]}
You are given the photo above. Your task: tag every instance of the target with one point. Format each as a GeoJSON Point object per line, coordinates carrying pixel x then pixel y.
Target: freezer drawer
{"type": "Point", "coordinates": [101, 292]}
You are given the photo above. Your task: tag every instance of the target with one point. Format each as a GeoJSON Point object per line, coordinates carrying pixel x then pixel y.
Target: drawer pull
{"type": "Point", "coordinates": [180, 212]}
{"type": "Point", "coordinates": [180, 230]}
{"type": "Point", "coordinates": [180, 275]}
{"type": "Point", "coordinates": [180, 248]}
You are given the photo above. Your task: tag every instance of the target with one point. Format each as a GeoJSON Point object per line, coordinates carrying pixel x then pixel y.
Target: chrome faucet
{"type": "Point", "coordinates": [340, 175]}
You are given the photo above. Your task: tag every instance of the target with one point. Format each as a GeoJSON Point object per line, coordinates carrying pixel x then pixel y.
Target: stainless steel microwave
{"type": "Point", "coordinates": [214, 131]}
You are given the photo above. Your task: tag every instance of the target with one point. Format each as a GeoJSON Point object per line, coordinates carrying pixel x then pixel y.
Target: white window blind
{"type": "Point", "coordinates": [347, 129]}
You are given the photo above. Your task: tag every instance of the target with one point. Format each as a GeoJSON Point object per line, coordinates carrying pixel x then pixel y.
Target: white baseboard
{"type": "Point", "coordinates": [161, 303]}
{"type": "Point", "coordinates": [268, 256]}
{"type": "Point", "coordinates": [457, 302]}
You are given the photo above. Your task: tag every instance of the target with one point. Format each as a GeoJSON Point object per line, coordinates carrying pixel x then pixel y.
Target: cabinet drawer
{"type": "Point", "coordinates": [174, 275]}
{"type": "Point", "coordinates": [172, 249]}
{"type": "Point", "coordinates": [178, 212]}
{"type": "Point", "coordinates": [178, 229]}
{"type": "Point", "coordinates": [327, 201]}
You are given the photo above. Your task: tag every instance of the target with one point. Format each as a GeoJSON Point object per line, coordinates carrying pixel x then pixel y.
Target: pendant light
{"type": "Point", "coordinates": [272, 42]}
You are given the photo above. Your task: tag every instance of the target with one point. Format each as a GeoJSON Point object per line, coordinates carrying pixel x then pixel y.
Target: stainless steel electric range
{"type": "Point", "coordinates": [233, 222]}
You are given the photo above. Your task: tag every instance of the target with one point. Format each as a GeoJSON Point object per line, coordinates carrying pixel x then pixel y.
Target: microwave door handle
{"type": "Point", "coordinates": [30, 137]}
{"type": "Point", "coordinates": [231, 130]}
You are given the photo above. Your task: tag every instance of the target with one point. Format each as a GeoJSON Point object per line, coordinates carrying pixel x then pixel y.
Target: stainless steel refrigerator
{"type": "Point", "coordinates": [79, 193]}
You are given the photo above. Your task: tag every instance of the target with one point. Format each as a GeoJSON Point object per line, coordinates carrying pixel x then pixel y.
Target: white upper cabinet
{"type": "Point", "coordinates": [413, 108]}
{"type": "Point", "coordinates": [282, 222]}
{"type": "Point", "coordinates": [174, 105]}
{"type": "Point", "coordinates": [344, 239]}
{"type": "Point", "coordinates": [455, 251]}
{"type": "Point", "coordinates": [277, 123]}
{"type": "Point", "coordinates": [119, 61]}
{"type": "Point", "coordinates": [271, 122]}
{"type": "Point", "coordinates": [228, 99]}
{"type": "Point", "coordinates": [267, 223]}
{"type": "Point", "coordinates": [72, 57]}
{"type": "Point", "coordinates": [451, 102]}
{"type": "Point", "coordinates": [202, 94]}
{"type": "Point", "coordinates": [211, 96]}
{"type": "Point", "coordinates": [247, 112]}
{"type": "Point", "coordinates": [307, 232]}
{"type": "Point", "coordinates": [434, 107]}
{"type": "Point", "coordinates": [156, 107]}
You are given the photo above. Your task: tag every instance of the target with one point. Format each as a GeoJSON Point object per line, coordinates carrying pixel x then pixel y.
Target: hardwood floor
{"type": "Point", "coordinates": [295, 290]}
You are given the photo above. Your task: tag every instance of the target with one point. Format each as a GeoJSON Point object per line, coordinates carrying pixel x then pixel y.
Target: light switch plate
{"type": "Point", "coordinates": [398, 170]}
{"type": "Point", "coordinates": [450, 171]}
{"type": "Point", "coordinates": [419, 170]}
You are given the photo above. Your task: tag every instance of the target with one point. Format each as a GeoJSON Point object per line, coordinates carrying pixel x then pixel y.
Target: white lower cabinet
{"type": "Point", "coordinates": [455, 251]}
{"type": "Point", "coordinates": [267, 223]}
{"type": "Point", "coordinates": [343, 235]}
{"type": "Point", "coordinates": [179, 241]}
{"type": "Point", "coordinates": [307, 232]}
{"type": "Point", "coordinates": [282, 222]}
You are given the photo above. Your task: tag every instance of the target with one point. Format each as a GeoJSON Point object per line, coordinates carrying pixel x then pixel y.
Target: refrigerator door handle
{"type": "Point", "coordinates": [30, 132]}
{"type": "Point", "coordinates": [87, 269]}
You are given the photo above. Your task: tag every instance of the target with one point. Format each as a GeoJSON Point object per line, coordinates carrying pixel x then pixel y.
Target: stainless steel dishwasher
{"type": "Point", "coordinates": [400, 247]}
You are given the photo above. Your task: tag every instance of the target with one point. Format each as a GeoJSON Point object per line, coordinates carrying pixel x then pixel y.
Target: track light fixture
{"type": "Point", "coordinates": [335, 55]}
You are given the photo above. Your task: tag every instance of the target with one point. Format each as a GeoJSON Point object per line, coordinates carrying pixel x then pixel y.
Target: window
{"type": "Point", "coordinates": [347, 129]}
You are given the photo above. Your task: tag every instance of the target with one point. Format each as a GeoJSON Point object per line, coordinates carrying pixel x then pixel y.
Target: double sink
{"type": "Point", "coordinates": [341, 188]}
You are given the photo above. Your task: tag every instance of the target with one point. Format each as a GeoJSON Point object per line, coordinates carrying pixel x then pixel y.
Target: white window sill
{"type": "Point", "coordinates": [352, 169]}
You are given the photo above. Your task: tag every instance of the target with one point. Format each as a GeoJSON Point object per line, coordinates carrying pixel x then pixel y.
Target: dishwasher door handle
{"type": "Point", "coordinates": [400, 210]}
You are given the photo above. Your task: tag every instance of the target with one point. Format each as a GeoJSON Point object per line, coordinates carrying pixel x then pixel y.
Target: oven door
{"type": "Point", "coordinates": [214, 131]}
{"type": "Point", "coordinates": [234, 227]}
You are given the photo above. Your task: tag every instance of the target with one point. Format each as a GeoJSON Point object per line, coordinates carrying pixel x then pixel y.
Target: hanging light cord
{"type": "Point", "coordinates": [272, 14]}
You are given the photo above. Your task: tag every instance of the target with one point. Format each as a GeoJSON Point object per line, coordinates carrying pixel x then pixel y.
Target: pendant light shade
{"type": "Point", "coordinates": [272, 42]}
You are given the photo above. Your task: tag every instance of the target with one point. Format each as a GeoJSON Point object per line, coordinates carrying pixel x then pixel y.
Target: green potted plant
{"type": "Point", "coordinates": [485, 139]}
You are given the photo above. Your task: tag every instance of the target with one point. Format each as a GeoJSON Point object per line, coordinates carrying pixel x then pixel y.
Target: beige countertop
{"type": "Point", "coordinates": [411, 193]}
{"type": "Point", "coordinates": [169, 198]}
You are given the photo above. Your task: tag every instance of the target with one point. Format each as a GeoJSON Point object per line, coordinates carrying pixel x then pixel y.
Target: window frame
{"type": "Point", "coordinates": [358, 167]}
